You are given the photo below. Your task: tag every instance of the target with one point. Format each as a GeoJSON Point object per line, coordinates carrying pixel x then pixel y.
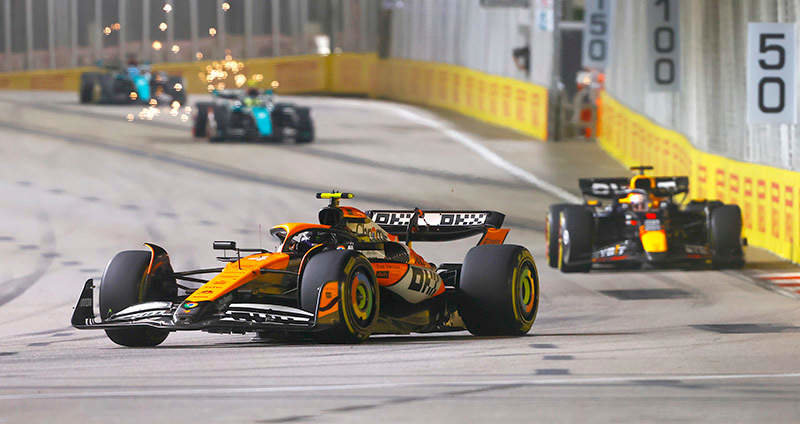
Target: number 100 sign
{"type": "Point", "coordinates": [771, 73]}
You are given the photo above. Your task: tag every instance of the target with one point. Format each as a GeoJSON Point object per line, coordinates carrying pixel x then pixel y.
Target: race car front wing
{"type": "Point", "coordinates": [237, 317]}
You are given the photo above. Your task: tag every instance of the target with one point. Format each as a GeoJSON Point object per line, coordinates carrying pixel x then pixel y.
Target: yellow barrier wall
{"type": "Point", "coordinates": [501, 101]}
{"type": "Point", "coordinates": [768, 196]}
{"type": "Point", "coordinates": [498, 100]}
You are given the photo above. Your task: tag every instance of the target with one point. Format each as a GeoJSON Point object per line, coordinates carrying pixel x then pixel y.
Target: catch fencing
{"type": "Point", "coordinates": [710, 108]}
{"type": "Point", "coordinates": [51, 34]}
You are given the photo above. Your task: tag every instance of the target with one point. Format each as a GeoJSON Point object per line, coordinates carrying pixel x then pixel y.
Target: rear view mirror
{"type": "Point", "coordinates": [224, 245]}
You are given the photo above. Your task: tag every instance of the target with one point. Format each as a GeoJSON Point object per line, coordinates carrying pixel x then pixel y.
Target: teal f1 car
{"type": "Point", "coordinates": [136, 84]}
{"type": "Point", "coordinates": [251, 116]}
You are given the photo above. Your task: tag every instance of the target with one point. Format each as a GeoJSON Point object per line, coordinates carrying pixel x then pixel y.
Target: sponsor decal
{"type": "Point", "coordinates": [696, 250]}
{"type": "Point", "coordinates": [455, 219]}
{"type": "Point", "coordinates": [190, 305]}
{"type": "Point", "coordinates": [424, 280]}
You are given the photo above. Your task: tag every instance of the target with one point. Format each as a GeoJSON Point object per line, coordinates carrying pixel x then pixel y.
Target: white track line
{"type": "Point", "coordinates": [471, 144]}
{"type": "Point", "coordinates": [573, 381]}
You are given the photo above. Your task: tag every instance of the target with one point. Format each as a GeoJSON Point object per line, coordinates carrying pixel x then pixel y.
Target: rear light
{"type": "Point", "coordinates": [651, 215]}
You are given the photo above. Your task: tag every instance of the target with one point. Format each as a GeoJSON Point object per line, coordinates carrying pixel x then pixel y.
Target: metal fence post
{"type": "Point", "coordinates": [29, 34]}
{"type": "Point", "coordinates": [248, 28]}
{"type": "Point", "coordinates": [221, 28]}
{"type": "Point", "coordinates": [193, 27]}
{"type": "Point", "coordinates": [73, 33]}
{"type": "Point", "coordinates": [123, 22]}
{"type": "Point", "coordinates": [167, 48]}
{"type": "Point", "coordinates": [51, 36]}
{"type": "Point", "coordinates": [276, 28]}
{"type": "Point", "coordinates": [7, 33]}
{"type": "Point", "coordinates": [145, 47]}
{"type": "Point", "coordinates": [96, 39]}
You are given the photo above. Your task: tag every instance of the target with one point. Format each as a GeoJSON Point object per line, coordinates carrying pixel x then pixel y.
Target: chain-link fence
{"type": "Point", "coordinates": [710, 108]}
{"type": "Point", "coordinates": [465, 33]}
{"type": "Point", "coordinates": [42, 34]}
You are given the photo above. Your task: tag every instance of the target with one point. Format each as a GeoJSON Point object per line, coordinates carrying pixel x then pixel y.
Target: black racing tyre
{"type": "Point", "coordinates": [498, 290]}
{"type": "Point", "coordinates": [305, 126]}
{"type": "Point", "coordinates": [179, 95]}
{"type": "Point", "coordinates": [576, 227]}
{"type": "Point", "coordinates": [120, 288]}
{"type": "Point", "coordinates": [726, 237]}
{"type": "Point", "coordinates": [86, 86]}
{"type": "Point", "coordinates": [359, 294]}
{"type": "Point", "coordinates": [221, 121]}
{"type": "Point", "coordinates": [103, 89]}
{"type": "Point", "coordinates": [200, 125]}
{"type": "Point", "coordinates": [551, 231]}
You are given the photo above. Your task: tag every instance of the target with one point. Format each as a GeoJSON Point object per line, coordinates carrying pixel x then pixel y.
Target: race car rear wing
{"type": "Point", "coordinates": [604, 188]}
{"type": "Point", "coordinates": [438, 225]}
{"type": "Point", "coordinates": [610, 188]}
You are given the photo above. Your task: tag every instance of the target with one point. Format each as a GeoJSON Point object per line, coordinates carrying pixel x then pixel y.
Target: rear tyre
{"type": "Point", "coordinates": [305, 126]}
{"type": "Point", "coordinates": [726, 237]}
{"type": "Point", "coordinates": [200, 126]}
{"type": "Point", "coordinates": [499, 290]}
{"type": "Point", "coordinates": [359, 295]}
{"type": "Point", "coordinates": [85, 90]}
{"type": "Point", "coordinates": [551, 231]}
{"type": "Point", "coordinates": [221, 120]}
{"type": "Point", "coordinates": [123, 286]}
{"type": "Point", "coordinates": [576, 226]}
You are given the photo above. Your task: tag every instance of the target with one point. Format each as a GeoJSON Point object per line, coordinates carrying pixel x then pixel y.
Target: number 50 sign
{"type": "Point", "coordinates": [771, 73]}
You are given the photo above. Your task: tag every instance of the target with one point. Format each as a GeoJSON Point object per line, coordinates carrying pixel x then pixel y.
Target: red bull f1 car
{"type": "Point", "coordinates": [351, 275]}
{"type": "Point", "coordinates": [642, 223]}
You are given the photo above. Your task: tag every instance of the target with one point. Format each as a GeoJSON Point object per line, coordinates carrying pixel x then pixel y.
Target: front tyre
{"type": "Point", "coordinates": [123, 285]}
{"type": "Point", "coordinates": [576, 226]}
{"type": "Point", "coordinates": [359, 294]}
{"type": "Point", "coordinates": [499, 290]}
{"type": "Point", "coordinates": [551, 232]}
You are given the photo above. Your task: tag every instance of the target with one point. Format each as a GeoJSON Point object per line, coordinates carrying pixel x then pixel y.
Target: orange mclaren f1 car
{"type": "Point", "coordinates": [352, 275]}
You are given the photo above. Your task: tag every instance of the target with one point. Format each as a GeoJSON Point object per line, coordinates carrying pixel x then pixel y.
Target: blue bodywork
{"type": "Point", "coordinates": [142, 84]}
{"type": "Point", "coordinates": [263, 120]}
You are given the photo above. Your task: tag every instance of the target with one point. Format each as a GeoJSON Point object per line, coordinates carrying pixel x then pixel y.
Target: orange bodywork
{"type": "Point", "coordinates": [350, 212]}
{"type": "Point", "coordinates": [329, 299]}
{"type": "Point", "coordinates": [494, 236]}
{"type": "Point", "coordinates": [237, 274]}
{"type": "Point", "coordinates": [388, 273]}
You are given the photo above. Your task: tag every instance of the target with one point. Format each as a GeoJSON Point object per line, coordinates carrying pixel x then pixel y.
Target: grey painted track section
{"type": "Point", "coordinates": [80, 183]}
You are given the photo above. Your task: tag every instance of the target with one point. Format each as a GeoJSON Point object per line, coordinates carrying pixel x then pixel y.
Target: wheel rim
{"type": "Point", "coordinates": [362, 299]}
{"type": "Point", "coordinates": [526, 290]}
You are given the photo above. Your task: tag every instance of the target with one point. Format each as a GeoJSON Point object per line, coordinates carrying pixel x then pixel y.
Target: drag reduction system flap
{"type": "Point", "coordinates": [437, 225]}
{"type": "Point", "coordinates": [610, 188]}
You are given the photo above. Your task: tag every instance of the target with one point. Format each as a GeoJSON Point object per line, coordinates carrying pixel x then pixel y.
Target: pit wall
{"type": "Point", "coordinates": [768, 196]}
{"type": "Point", "coordinates": [498, 100]}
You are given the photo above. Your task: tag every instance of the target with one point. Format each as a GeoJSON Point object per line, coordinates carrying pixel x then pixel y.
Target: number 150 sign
{"type": "Point", "coordinates": [771, 73]}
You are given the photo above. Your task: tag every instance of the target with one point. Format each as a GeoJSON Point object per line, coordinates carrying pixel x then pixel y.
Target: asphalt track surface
{"type": "Point", "coordinates": [80, 183]}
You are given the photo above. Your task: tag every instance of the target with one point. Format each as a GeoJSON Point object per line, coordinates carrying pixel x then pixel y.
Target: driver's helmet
{"type": "Point", "coordinates": [252, 92]}
{"type": "Point", "coordinates": [638, 202]}
{"type": "Point", "coordinates": [304, 241]}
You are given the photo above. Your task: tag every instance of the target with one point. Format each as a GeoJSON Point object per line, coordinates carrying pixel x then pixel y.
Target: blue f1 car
{"type": "Point", "coordinates": [251, 116]}
{"type": "Point", "coordinates": [136, 84]}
